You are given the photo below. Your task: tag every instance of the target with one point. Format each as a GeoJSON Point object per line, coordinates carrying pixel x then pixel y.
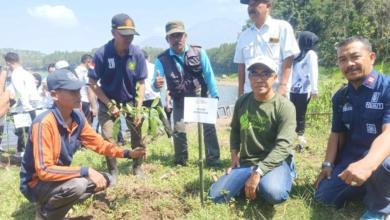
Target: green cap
{"type": "Point", "coordinates": [174, 26]}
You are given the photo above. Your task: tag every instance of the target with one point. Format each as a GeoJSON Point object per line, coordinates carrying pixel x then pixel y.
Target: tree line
{"type": "Point", "coordinates": [331, 20]}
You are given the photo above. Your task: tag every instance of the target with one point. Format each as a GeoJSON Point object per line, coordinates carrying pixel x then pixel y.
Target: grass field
{"type": "Point", "coordinates": [174, 193]}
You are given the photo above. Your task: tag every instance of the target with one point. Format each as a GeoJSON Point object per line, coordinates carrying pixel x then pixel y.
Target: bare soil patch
{"type": "Point", "coordinates": [155, 204]}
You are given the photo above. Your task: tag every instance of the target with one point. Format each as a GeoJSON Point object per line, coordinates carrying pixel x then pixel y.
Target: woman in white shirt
{"type": "Point", "coordinates": [304, 79]}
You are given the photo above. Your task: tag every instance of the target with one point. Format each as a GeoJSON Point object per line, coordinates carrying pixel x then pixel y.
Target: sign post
{"type": "Point", "coordinates": [200, 138]}
{"type": "Point", "coordinates": [200, 110]}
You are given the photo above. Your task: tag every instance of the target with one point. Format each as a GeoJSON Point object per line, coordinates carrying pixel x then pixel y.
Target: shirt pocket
{"type": "Point", "coordinates": [274, 51]}
{"type": "Point", "coordinates": [347, 118]}
{"type": "Point", "coordinates": [372, 122]}
{"type": "Point", "coordinates": [249, 52]}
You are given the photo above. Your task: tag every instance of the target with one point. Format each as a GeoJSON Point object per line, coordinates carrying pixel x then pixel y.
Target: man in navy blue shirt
{"type": "Point", "coordinates": [361, 127]}
{"type": "Point", "coordinates": [119, 66]}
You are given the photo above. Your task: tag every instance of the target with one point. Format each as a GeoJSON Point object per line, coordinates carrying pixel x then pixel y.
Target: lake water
{"type": "Point", "coordinates": [227, 96]}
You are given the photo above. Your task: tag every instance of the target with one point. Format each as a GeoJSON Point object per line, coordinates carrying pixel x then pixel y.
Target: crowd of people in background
{"type": "Point", "coordinates": [276, 72]}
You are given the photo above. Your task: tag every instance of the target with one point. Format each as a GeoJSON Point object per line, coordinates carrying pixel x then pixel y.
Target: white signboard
{"type": "Point", "coordinates": [22, 120]}
{"type": "Point", "coordinates": [201, 110]}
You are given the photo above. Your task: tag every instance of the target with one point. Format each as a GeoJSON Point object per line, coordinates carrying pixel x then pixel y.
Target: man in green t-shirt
{"type": "Point", "coordinates": [264, 125]}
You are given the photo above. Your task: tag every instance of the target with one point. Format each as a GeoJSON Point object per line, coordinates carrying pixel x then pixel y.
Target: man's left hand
{"type": "Point", "coordinates": [282, 90]}
{"type": "Point", "coordinates": [251, 185]}
{"type": "Point", "coordinates": [357, 172]}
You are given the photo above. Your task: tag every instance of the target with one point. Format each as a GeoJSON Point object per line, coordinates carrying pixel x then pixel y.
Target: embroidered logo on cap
{"type": "Point", "coordinates": [129, 23]}
{"type": "Point", "coordinates": [72, 76]}
{"type": "Point", "coordinates": [371, 79]}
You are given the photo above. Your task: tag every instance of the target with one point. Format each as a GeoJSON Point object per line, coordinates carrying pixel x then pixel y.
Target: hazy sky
{"type": "Point", "coordinates": [82, 25]}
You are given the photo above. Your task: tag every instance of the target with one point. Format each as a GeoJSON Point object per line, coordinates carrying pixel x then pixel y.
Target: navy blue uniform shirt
{"type": "Point", "coordinates": [364, 114]}
{"type": "Point", "coordinates": [118, 76]}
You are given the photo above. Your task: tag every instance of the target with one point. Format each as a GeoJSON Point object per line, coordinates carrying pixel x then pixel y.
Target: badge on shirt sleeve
{"type": "Point", "coordinates": [371, 129]}
{"type": "Point", "coordinates": [92, 66]}
{"type": "Point", "coordinates": [111, 63]}
{"type": "Point", "coordinates": [273, 40]}
{"type": "Point", "coordinates": [131, 65]}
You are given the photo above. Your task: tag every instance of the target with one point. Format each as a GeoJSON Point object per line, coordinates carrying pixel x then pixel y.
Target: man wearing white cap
{"type": "Point", "coordinates": [263, 132]}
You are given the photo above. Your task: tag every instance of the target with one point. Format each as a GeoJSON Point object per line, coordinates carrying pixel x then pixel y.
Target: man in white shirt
{"type": "Point", "coordinates": [267, 37]}
{"type": "Point", "coordinates": [87, 95]}
{"type": "Point", "coordinates": [29, 100]}
{"type": "Point", "coordinates": [47, 101]}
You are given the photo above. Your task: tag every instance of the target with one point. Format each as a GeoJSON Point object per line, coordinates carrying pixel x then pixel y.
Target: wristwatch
{"type": "Point", "coordinates": [258, 170]}
{"type": "Point", "coordinates": [327, 164]}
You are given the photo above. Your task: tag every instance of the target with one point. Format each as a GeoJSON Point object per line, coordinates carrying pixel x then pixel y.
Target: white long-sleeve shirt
{"type": "Point", "coordinates": [24, 84]}
{"type": "Point", "coordinates": [82, 73]}
{"type": "Point", "coordinates": [150, 94]}
{"type": "Point", "coordinates": [305, 75]}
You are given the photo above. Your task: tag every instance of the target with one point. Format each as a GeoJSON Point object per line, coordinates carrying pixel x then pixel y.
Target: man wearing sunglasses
{"type": "Point", "coordinates": [263, 133]}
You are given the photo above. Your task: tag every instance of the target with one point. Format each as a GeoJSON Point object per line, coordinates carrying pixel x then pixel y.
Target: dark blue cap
{"type": "Point", "coordinates": [64, 79]}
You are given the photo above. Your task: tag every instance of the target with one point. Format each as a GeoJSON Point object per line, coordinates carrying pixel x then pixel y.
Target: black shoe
{"type": "Point", "coordinates": [181, 162]}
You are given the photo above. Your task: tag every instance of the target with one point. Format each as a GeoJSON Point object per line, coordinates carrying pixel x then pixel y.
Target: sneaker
{"type": "Point", "coordinates": [373, 216]}
{"type": "Point", "coordinates": [19, 154]}
{"type": "Point", "coordinates": [301, 139]}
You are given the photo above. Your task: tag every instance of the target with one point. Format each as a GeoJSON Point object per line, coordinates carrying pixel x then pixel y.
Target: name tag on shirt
{"type": "Point", "coordinates": [273, 40]}
{"type": "Point", "coordinates": [374, 105]}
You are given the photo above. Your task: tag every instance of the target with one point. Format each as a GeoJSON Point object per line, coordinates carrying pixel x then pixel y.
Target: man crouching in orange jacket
{"type": "Point", "coordinates": [46, 178]}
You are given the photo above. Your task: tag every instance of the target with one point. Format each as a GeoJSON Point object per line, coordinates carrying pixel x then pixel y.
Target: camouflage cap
{"type": "Point", "coordinates": [174, 26]}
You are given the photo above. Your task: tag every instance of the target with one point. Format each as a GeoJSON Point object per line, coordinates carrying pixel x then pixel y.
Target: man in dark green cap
{"type": "Point", "coordinates": [186, 68]}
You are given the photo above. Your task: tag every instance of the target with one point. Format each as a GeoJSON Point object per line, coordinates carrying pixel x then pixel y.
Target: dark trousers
{"type": "Point", "coordinates": [375, 190]}
{"type": "Point", "coordinates": [23, 135]}
{"type": "Point", "coordinates": [180, 136]}
{"type": "Point", "coordinates": [301, 101]}
{"type": "Point", "coordinates": [107, 124]}
{"type": "Point", "coordinates": [165, 121]}
{"type": "Point", "coordinates": [56, 198]}
{"type": "Point", "coordinates": [86, 107]}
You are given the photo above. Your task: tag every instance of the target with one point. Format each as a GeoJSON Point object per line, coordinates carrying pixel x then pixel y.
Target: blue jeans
{"type": "Point", "coordinates": [274, 187]}
{"type": "Point", "coordinates": [376, 190]}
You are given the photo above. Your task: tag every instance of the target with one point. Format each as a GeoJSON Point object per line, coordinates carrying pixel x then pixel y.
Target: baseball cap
{"type": "Point", "coordinates": [247, 1]}
{"type": "Point", "coordinates": [61, 64]}
{"type": "Point", "coordinates": [174, 26]}
{"type": "Point", "coordinates": [64, 79]}
{"type": "Point", "coordinates": [123, 24]}
{"type": "Point", "coordinates": [263, 60]}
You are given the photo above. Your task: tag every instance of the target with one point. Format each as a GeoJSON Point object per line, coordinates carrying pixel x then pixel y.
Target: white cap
{"type": "Point", "coordinates": [263, 60]}
{"type": "Point", "coordinates": [61, 64]}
